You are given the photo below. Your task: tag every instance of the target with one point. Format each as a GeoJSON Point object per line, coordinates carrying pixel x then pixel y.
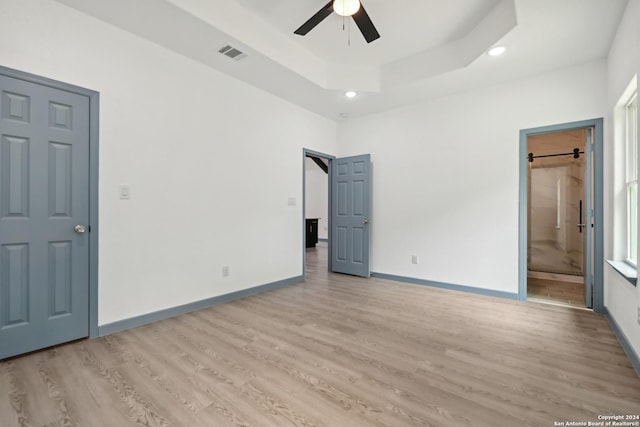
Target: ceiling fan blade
{"type": "Point", "coordinates": [315, 19]}
{"type": "Point", "coordinates": [367, 28]}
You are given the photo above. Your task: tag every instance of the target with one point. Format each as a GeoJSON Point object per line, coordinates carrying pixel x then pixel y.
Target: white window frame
{"type": "Point", "coordinates": [631, 178]}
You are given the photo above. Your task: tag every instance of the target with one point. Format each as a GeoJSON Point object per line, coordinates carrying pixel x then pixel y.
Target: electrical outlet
{"type": "Point", "coordinates": [415, 259]}
{"type": "Point", "coordinates": [225, 271]}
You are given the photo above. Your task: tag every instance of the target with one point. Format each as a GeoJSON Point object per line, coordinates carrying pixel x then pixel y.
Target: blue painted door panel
{"type": "Point", "coordinates": [350, 216]}
{"type": "Point", "coordinates": [44, 194]}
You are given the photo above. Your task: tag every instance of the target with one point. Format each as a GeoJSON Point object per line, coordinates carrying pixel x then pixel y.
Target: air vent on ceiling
{"type": "Point", "coordinates": [232, 53]}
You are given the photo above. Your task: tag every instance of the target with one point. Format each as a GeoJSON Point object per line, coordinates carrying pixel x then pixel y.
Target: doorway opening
{"type": "Point", "coordinates": [316, 212]}
{"type": "Point", "coordinates": [348, 210]}
{"type": "Point", "coordinates": [561, 214]}
{"type": "Point", "coordinates": [557, 230]}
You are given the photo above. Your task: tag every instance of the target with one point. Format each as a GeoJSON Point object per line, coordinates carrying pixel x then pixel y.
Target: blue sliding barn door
{"type": "Point", "coordinates": [350, 215]}
{"type": "Point", "coordinates": [44, 212]}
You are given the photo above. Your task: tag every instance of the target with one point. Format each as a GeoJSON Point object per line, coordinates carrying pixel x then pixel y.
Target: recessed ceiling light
{"type": "Point", "coordinates": [497, 51]}
{"type": "Point", "coordinates": [350, 94]}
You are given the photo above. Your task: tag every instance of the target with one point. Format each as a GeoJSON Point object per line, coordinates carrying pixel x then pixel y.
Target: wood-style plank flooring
{"type": "Point", "coordinates": [334, 351]}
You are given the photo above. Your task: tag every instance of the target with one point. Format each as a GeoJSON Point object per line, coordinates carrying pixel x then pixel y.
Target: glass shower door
{"type": "Point", "coordinates": [557, 214]}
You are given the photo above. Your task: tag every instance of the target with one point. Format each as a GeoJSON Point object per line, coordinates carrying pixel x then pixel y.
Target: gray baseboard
{"type": "Point", "coordinates": [144, 319]}
{"type": "Point", "coordinates": [624, 342]}
{"type": "Point", "coordinates": [442, 285]}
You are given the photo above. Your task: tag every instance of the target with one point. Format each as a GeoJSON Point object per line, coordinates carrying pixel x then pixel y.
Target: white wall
{"type": "Point", "coordinates": [445, 174]}
{"type": "Point", "coordinates": [317, 197]}
{"type": "Point", "coordinates": [621, 298]}
{"type": "Point", "coordinates": [210, 163]}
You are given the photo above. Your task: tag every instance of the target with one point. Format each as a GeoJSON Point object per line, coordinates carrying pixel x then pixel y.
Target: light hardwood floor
{"type": "Point", "coordinates": [334, 351]}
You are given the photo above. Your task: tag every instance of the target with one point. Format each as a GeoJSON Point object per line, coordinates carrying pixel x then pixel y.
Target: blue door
{"type": "Point", "coordinates": [44, 214]}
{"type": "Point", "coordinates": [350, 215]}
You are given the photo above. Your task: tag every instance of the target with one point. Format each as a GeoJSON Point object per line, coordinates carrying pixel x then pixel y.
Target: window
{"type": "Point", "coordinates": [631, 182]}
{"type": "Point", "coordinates": [625, 183]}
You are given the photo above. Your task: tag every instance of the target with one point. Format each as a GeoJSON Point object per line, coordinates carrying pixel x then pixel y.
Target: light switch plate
{"type": "Point", "coordinates": [292, 201]}
{"type": "Point", "coordinates": [124, 191]}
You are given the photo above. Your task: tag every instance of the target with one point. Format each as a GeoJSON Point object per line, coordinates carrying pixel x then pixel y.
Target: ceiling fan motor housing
{"type": "Point", "coordinates": [346, 7]}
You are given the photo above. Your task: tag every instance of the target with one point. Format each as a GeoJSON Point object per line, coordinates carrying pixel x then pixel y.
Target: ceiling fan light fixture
{"type": "Point", "coordinates": [346, 7]}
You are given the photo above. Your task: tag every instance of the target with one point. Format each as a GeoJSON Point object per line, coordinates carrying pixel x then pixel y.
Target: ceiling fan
{"type": "Point", "coordinates": [346, 8]}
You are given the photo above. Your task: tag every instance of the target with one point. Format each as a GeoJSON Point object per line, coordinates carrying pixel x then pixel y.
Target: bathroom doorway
{"type": "Point", "coordinates": [558, 217]}
{"type": "Point", "coordinates": [561, 251]}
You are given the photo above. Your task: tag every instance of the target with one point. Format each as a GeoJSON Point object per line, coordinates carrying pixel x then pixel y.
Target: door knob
{"type": "Point", "coordinates": [80, 229]}
{"type": "Point", "coordinates": [366, 221]}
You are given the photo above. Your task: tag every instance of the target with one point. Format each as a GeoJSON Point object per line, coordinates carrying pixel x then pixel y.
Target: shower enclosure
{"type": "Point", "coordinates": [557, 212]}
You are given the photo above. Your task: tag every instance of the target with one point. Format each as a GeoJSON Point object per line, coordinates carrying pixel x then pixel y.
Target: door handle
{"type": "Point", "coordinates": [582, 224]}
{"type": "Point", "coordinates": [80, 229]}
{"type": "Point", "coordinates": [366, 221]}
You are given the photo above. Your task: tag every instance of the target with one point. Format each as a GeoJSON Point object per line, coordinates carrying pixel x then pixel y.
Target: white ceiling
{"type": "Point", "coordinates": [428, 48]}
{"type": "Point", "coordinates": [420, 29]}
